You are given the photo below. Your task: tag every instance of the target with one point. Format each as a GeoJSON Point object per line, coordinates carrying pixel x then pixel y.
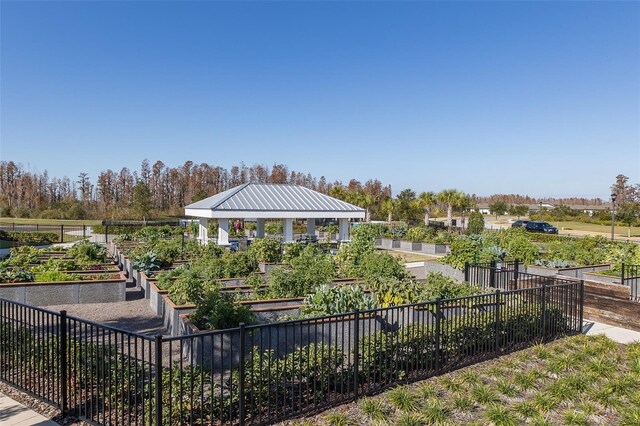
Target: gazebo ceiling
{"type": "Point", "coordinates": [273, 201]}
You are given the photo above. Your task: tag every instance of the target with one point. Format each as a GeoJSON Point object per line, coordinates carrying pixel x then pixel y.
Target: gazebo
{"type": "Point", "coordinates": [272, 201]}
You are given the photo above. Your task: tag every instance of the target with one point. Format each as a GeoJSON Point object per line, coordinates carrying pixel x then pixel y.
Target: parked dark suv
{"type": "Point", "coordinates": [519, 223]}
{"type": "Point", "coordinates": [544, 227]}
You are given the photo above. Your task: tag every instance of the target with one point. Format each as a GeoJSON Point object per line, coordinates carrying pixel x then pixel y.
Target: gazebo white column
{"type": "Point", "coordinates": [288, 230]}
{"type": "Point", "coordinates": [203, 230]}
{"type": "Point", "coordinates": [260, 228]}
{"type": "Point", "coordinates": [223, 232]}
{"type": "Point", "coordinates": [343, 229]}
{"type": "Point", "coordinates": [311, 226]}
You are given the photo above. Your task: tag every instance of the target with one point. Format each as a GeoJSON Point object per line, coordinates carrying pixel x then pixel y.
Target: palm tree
{"type": "Point", "coordinates": [464, 203]}
{"type": "Point", "coordinates": [425, 201]}
{"type": "Point", "coordinates": [450, 198]}
{"type": "Point", "coordinates": [388, 207]}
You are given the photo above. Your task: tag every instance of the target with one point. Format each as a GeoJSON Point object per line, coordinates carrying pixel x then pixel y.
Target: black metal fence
{"type": "Point", "coordinates": [261, 374]}
{"type": "Point", "coordinates": [631, 278]}
{"type": "Point", "coordinates": [55, 234]}
{"type": "Point", "coordinates": [501, 275]}
{"type": "Point", "coordinates": [48, 233]}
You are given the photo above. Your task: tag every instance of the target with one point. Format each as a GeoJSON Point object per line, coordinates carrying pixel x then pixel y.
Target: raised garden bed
{"type": "Point", "coordinates": [67, 292]}
{"type": "Point", "coordinates": [576, 271]}
{"type": "Point", "coordinates": [601, 278]}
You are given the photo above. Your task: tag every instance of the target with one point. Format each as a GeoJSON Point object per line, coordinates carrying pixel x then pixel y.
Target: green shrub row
{"type": "Point", "coordinates": [30, 237]}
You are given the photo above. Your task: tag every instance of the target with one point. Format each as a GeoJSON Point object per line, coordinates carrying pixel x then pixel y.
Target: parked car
{"type": "Point", "coordinates": [519, 223]}
{"type": "Point", "coordinates": [543, 227]}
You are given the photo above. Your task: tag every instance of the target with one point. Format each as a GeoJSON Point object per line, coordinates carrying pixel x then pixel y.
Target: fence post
{"type": "Point", "coordinates": [492, 273]}
{"type": "Point", "coordinates": [516, 271]}
{"type": "Point", "coordinates": [497, 343]}
{"type": "Point", "coordinates": [241, 373]}
{"type": "Point", "coordinates": [106, 233]}
{"type": "Point", "coordinates": [438, 302]}
{"type": "Point", "coordinates": [622, 275]}
{"type": "Point", "coordinates": [544, 312]}
{"type": "Point", "coordinates": [466, 272]}
{"type": "Point", "coordinates": [62, 233]}
{"type": "Point", "coordinates": [158, 381]}
{"type": "Point", "coordinates": [64, 375]}
{"type": "Point", "coordinates": [356, 353]}
{"type": "Point", "coordinates": [581, 304]}
{"type": "Point", "coordinates": [84, 231]}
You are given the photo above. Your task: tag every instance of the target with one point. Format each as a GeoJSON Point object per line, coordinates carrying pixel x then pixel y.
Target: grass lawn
{"type": "Point", "coordinates": [410, 257]}
{"type": "Point", "coordinates": [581, 380]}
{"type": "Point", "coordinates": [20, 221]}
{"type": "Point", "coordinates": [595, 228]}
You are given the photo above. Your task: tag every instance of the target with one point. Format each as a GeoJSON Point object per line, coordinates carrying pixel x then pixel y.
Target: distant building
{"type": "Point", "coordinates": [535, 208]}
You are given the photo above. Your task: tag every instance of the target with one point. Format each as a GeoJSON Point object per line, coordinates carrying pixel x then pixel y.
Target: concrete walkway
{"type": "Point", "coordinates": [13, 413]}
{"type": "Point", "coordinates": [617, 334]}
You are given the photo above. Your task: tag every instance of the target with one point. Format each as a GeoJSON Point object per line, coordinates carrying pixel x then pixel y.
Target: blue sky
{"type": "Point", "coordinates": [539, 98]}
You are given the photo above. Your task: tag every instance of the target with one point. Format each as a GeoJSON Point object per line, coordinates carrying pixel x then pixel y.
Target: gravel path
{"type": "Point", "coordinates": [134, 314]}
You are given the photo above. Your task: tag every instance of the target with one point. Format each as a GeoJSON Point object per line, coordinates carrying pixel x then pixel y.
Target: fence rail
{"type": "Point", "coordinates": [104, 233]}
{"type": "Point", "coordinates": [501, 275]}
{"type": "Point", "coordinates": [260, 374]}
{"type": "Point", "coordinates": [631, 277]}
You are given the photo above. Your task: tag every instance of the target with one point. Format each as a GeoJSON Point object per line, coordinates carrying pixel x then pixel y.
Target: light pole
{"type": "Point", "coordinates": [613, 213]}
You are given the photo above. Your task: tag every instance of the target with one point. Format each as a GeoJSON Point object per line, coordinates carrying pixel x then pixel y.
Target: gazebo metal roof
{"type": "Point", "coordinates": [273, 201]}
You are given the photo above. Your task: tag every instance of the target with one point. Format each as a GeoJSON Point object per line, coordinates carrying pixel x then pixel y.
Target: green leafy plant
{"type": "Point", "coordinates": [146, 262]}
{"type": "Point", "coordinates": [267, 250]}
{"type": "Point", "coordinates": [217, 311]}
{"type": "Point", "coordinates": [476, 223]}
{"type": "Point", "coordinates": [329, 300]}
{"type": "Point", "coordinates": [51, 276]}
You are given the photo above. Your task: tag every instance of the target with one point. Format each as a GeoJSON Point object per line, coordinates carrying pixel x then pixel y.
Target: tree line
{"type": "Point", "coordinates": [160, 190]}
{"type": "Point", "coordinates": [154, 190]}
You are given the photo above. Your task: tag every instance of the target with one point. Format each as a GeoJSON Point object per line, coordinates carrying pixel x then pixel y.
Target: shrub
{"type": "Point", "coordinates": [519, 246]}
{"type": "Point", "coordinates": [476, 223]}
{"type": "Point", "coordinates": [378, 265]}
{"type": "Point", "coordinates": [582, 251]}
{"type": "Point", "coordinates": [87, 253]}
{"type": "Point", "coordinates": [272, 228]}
{"type": "Point", "coordinates": [188, 287]}
{"type": "Point", "coordinates": [267, 250]}
{"type": "Point", "coordinates": [309, 270]}
{"type": "Point", "coordinates": [286, 283]}
{"type": "Point", "coordinates": [420, 233]}
{"type": "Point", "coordinates": [463, 249]}
{"type": "Point", "coordinates": [351, 255]}
{"type": "Point", "coordinates": [256, 281]}
{"type": "Point", "coordinates": [29, 237]}
{"type": "Point", "coordinates": [313, 266]}
{"type": "Point", "coordinates": [440, 286]}
{"type": "Point", "coordinates": [239, 264]}
{"type": "Point", "coordinates": [217, 311]}
{"type": "Point", "coordinates": [291, 250]}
